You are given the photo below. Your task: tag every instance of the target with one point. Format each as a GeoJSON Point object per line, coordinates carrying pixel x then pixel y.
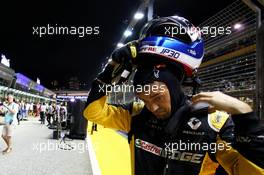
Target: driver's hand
{"type": "Point", "coordinates": [222, 102]}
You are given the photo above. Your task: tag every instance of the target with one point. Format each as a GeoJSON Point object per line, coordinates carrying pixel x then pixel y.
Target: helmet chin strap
{"type": "Point", "coordinates": [196, 84]}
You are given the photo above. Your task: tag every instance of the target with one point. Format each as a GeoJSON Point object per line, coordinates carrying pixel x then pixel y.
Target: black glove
{"type": "Point", "coordinates": [106, 75]}
{"type": "Point", "coordinates": [123, 57]}
{"type": "Point", "coordinates": [99, 84]}
{"type": "Point", "coordinates": [125, 54]}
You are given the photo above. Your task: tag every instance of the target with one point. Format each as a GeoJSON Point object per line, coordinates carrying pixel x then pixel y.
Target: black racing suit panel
{"type": "Point", "coordinates": [178, 145]}
{"type": "Point", "coordinates": [249, 132]}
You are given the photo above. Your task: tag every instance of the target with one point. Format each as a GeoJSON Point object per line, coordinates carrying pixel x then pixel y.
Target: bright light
{"type": "Point", "coordinates": [72, 100]}
{"type": "Point", "coordinates": [3, 56]}
{"type": "Point", "coordinates": [139, 15]}
{"type": "Point", "coordinates": [127, 33]}
{"type": "Point", "coordinates": [237, 26]}
{"type": "Point", "coordinates": [38, 81]}
{"type": "Point", "coordinates": [5, 61]}
{"type": "Point", "coordinates": [120, 45]}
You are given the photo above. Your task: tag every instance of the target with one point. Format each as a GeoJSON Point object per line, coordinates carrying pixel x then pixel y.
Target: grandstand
{"type": "Point", "coordinates": [22, 87]}
{"type": "Point", "coordinates": [229, 63]}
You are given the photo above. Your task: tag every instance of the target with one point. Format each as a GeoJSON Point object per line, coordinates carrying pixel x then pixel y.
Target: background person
{"type": "Point", "coordinates": [10, 110]}
{"type": "Point", "coordinates": [42, 113]}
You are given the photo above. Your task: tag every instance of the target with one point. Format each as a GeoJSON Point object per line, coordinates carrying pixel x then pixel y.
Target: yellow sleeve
{"type": "Point", "coordinates": [208, 166]}
{"type": "Point", "coordinates": [110, 116]}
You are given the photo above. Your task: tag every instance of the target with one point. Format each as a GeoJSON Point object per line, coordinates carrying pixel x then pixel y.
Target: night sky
{"type": "Point", "coordinates": [58, 57]}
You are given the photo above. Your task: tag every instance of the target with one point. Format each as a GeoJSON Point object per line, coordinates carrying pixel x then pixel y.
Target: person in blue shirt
{"type": "Point", "coordinates": [10, 110]}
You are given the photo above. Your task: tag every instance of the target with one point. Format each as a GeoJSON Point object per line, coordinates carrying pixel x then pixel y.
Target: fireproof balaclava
{"type": "Point", "coordinates": [149, 74]}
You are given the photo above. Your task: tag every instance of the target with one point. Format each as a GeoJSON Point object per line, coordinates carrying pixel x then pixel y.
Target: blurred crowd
{"type": "Point", "coordinates": [51, 112]}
